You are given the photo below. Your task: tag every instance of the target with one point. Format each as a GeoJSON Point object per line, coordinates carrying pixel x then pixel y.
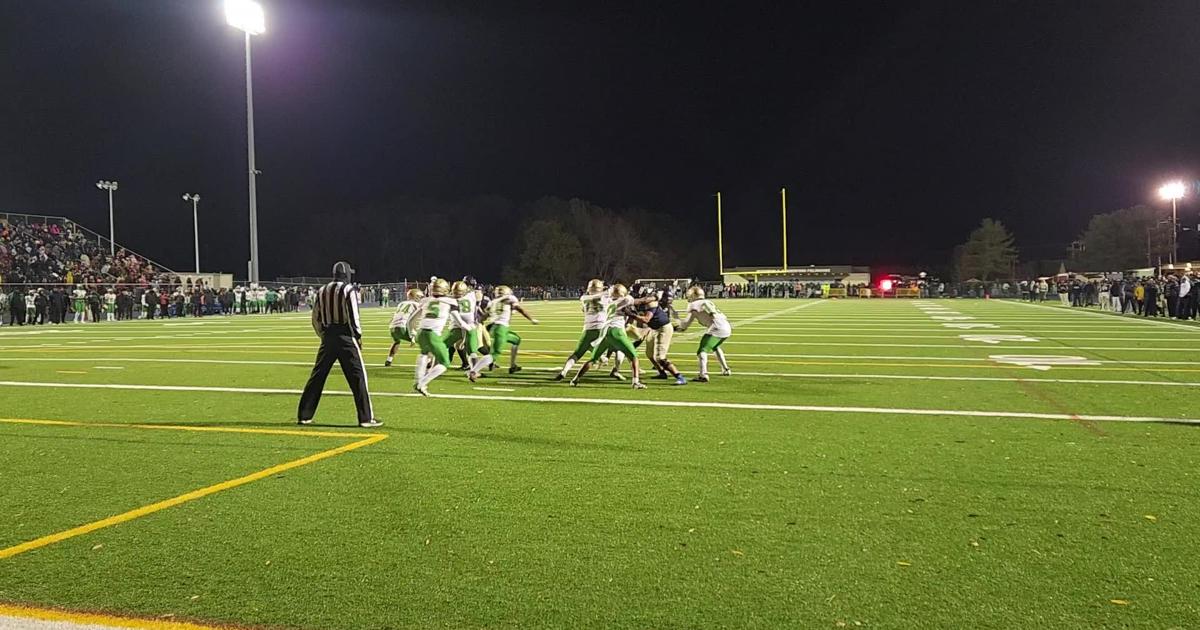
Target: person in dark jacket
{"type": "Point", "coordinates": [41, 307]}
{"type": "Point", "coordinates": [16, 307]}
{"type": "Point", "coordinates": [1150, 308]}
{"type": "Point", "coordinates": [1172, 294]}
{"type": "Point", "coordinates": [58, 306]}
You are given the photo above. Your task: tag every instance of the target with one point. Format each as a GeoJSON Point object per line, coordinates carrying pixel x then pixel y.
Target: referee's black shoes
{"type": "Point", "coordinates": [369, 424]}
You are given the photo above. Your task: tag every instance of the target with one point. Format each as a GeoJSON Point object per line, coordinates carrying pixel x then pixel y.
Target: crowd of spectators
{"type": "Point", "coordinates": [33, 305]}
{"type": "Point", "coordinates": [1172, 295]}
{"type": "Point", "coordinates": [49, 251]}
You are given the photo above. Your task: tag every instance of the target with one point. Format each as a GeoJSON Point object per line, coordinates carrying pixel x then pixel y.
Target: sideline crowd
{"type": "Point", "coordinates": [1165, 295]}
{"type": "Point", "coordinates": [21, 305]}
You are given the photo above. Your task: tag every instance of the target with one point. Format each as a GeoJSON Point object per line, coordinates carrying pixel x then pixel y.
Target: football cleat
{"type": "Point", "coordinates": [424, 391]}
{"type": "Point", "coordinates": [703, 378]}
{"type": "Point", "coordinates": [639, 385]}
{"type": "Point", "coordinates": [574, 383]}
{"type": "Point", "coordinates": [303, 421]}
{"type": "Point", "coordinates": [514, 369]}
{"type": "Point", "coordinates": [472, 376]}
{"type": "Point", "coordinates": [617, 375]}
{"type": "Point", "coordinates": [372, 423]}
{"type": "Point", "coordinates": [727, 372]}
{"type": "Point", "coordinates": [679, 380]}
{"type": "Point", "coordinates": [560, 376]}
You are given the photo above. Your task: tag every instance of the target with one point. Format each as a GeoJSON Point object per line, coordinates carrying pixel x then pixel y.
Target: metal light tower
{"type": "Point", "coordinates": [110, 187]}
{"type": "Point", "coordinates": [1173, 191]}
{"type": "Point", "coordinates": [247, 15]}
{"type": "Point", "coordinates": [195, 199]}
{"type": "Point", "coordinates": [783, 206]}
{"type": "Point", "coordinates": [720, 240]}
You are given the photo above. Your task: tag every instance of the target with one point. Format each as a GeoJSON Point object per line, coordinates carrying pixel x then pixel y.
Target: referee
{"type": "Point", "coordinates": [335, 319]}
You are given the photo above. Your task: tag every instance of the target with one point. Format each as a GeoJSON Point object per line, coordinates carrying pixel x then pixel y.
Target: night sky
{"type": "Point", "coordinates": [895, 126]}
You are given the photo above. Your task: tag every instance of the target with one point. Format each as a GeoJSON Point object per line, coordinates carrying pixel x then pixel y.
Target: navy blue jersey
{"type": "Point", "coordinates": [658, 318]}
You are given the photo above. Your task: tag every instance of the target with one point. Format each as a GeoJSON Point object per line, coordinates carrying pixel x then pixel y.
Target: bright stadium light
{"type": "Point", "coordinates": [1173, 191]}
{"type": "Point", "coordinates": [246, 15]}
{"type": "Point", "coordinates": [110, 187]}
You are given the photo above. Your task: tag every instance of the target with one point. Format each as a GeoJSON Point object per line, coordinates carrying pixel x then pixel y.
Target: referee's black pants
{"type": "Point", "coordinates": [337, 344]}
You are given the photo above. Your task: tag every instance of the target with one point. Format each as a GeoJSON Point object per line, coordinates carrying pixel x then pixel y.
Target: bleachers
{"type": "Point", "coordinates": [36, 249]}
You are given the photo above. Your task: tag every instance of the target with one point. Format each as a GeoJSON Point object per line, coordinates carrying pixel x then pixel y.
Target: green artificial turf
{"type": "Point", "coordinates": [492, 513]}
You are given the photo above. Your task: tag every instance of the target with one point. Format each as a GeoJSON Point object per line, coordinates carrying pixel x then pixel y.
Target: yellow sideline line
{"type": "Point", "coordinates": [189, 496]}
{"type": "Point", "coordinates": [48, 614]}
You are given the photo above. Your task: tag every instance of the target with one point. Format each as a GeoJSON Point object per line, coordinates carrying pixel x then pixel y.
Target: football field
{"type": "Point", "coordinates": [874, 463]}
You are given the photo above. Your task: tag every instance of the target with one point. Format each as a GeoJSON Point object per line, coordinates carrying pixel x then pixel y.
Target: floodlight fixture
{"type": "Point", "coordinates": [246, 15]}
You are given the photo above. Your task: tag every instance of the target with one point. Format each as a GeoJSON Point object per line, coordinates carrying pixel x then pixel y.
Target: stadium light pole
{"type": "Point", "coordinates": [1173, 191]}
{"type": "Point", "coordinates": [783, 203]}
{"type": "Point", "coordinates": [110, 187]}
{"type": "Point", "coordinates": [720, 240]}
{"type": "Point", "coordinates": [195, 199]}
{"type": "Point", "coordinates": [247, 15]}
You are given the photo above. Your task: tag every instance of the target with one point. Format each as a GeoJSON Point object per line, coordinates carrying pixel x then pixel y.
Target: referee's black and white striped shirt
{"type": "Point", "coordinates": [337, 303]}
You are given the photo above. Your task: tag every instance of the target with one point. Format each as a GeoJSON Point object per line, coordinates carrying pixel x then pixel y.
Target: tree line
{"type": "Point", "coordinates": [1128, 238]}
{"type": "Point", "coordinates": [551, 241]}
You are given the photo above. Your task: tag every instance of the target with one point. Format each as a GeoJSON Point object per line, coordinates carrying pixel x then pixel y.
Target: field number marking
{"type": "Point", "coordinates": [1042, 362]}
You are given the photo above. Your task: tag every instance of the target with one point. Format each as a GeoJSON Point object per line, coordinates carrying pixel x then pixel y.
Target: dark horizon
{"type": "Point", "coordinates": [895, 129]}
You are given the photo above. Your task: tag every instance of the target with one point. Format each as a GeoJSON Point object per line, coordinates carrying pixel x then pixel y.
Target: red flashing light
{"type": "Point", "coordinates": [885, 285]}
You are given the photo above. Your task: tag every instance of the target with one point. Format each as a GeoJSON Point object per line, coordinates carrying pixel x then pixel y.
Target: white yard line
{"type": "Point", "coordinates": [1076, 311]}
{"type": "Point", "coordinates": [864, 357]}
{"type": "Point", "coordinates": [994, 379]}
{"type": "Point", "coordinates": [1025, 415]}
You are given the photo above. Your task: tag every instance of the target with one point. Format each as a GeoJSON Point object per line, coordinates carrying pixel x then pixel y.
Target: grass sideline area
{"type": "Point", "coordinates": [882, 463]}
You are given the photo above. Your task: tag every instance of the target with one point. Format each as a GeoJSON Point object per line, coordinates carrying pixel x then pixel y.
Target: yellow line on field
{"type": "Point", "coordinates": [96, 619]}
{"type": "Point", "coordinates": [189, 496]}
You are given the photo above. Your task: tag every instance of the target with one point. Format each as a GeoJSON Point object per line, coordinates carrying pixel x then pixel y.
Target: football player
{"type": "Point", "coordinates": [704, 311]}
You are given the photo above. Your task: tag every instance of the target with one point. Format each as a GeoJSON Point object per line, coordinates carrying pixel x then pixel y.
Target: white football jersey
{"type": "Point", "coordinates": [404, 312]}
{"type": "Point", "coordinates": [708, 314]}
{"type": "Point", "coordinates": [613, 316]}
{"type": "Point", "coordinates": [435, 313]}
{"type": "Point", "coordinates": [466, 308]}
{"type": "Point", "coordinates": [592, 306]}
{"type": "Point", "coordinates": [500, 310]}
